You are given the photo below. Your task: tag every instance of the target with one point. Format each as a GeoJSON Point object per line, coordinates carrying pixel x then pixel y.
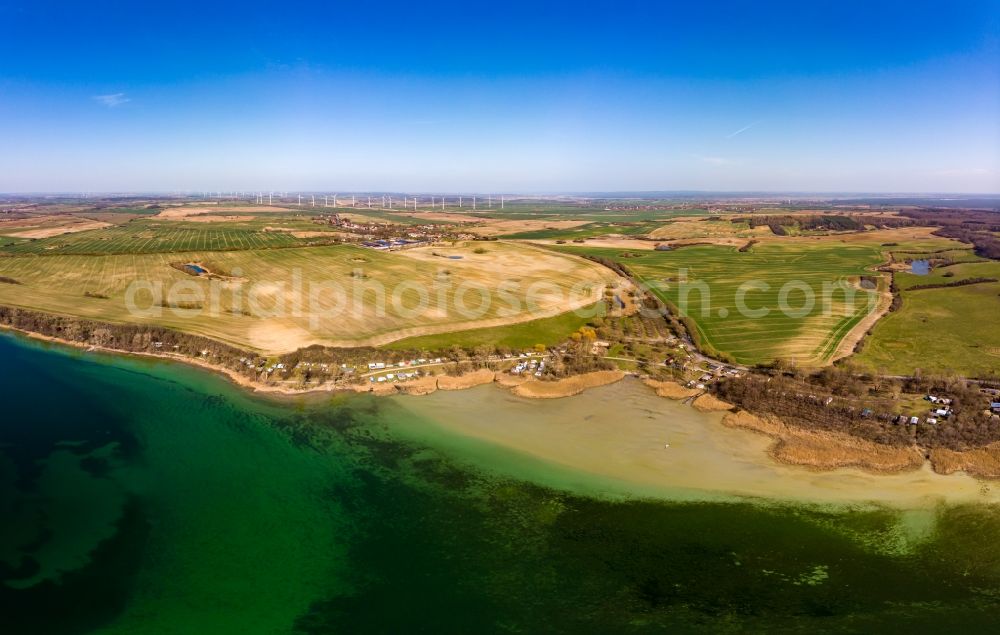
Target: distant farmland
{"type": "Point", "coordinates": [721, 328]}
{"type": "Point", "coordinates": [142, 237]}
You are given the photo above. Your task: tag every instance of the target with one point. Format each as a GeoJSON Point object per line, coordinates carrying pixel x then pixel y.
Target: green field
{"type": "Point", "coordinates": [157, 236]}
{"type": "Point", "coordinates": [525, 335]}
{"type": "Point", "coordinates": [573, 212]}
{"type": "Point", "coordinates": [632, 216]}
{"type": "Point", "coordinates": [980, 268]}
{"type": "Point", "coordinates": [961, 254]}
{"type": "Point", "coordinates": [660, 225]}
{"type": "Point", "coordinates": [589, 230]}
{"type": "Point", "coordinates": [714, 275]}
{"type": "Point", "coordinates": [952, 329]}
{"type": "Point", "coordinates": [387, 216]}
{"type": "Point", "coordinates": [142, 211]}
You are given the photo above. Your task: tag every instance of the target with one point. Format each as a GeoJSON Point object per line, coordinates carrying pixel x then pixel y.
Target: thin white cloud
{"type": "Point", "coordinates": [113, 100]}
{"type": "Point", "coordinates": [963, 172]}
{"type": "Point", "coordinates": [743, 129]}
{"type": "Point", "coordinates": [716, 160]}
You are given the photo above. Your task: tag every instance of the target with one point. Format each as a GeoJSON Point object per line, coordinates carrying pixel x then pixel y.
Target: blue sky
{"type": "Point", "coordinates": [577, 96]}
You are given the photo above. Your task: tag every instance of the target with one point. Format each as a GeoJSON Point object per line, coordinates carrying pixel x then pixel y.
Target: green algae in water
{"type": "Point", "coordinates": [151, 498]}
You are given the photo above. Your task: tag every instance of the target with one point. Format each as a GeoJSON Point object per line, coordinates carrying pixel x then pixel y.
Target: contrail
{"type": "Point", "coordinates": [744, 129]}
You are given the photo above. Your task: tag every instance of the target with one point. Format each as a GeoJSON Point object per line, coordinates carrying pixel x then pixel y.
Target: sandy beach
{"type": "Point", "coordinates": [671, 389]}
{"type": "Point", "coordinates": [468, 380]}
{"type": "Point", "coordinates": [707, 402]}
{"type": "Point", "coordinates": [567, 386]}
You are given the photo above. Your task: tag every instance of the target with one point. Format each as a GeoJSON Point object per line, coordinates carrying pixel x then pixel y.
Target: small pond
{"type": "Point", "coordinates": [920, 267]}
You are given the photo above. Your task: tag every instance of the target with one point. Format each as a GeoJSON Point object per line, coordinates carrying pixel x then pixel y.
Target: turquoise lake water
{"type": "Point", "coordinates": [148, 497]}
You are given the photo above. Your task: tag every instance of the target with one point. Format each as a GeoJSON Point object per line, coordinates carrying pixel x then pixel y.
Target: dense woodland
{"type": "Point", "coordinates": [843, 400]}
{"type": "Point", "coordinates": [824, 222]}
{"type": "Point", "coordinates": [974, 227]}
{"type": "Point", "coordinates": [985, 244]}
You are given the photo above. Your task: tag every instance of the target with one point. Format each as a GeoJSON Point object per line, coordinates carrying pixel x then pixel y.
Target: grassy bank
{"type": "Point", "coordinates": [544, 331]}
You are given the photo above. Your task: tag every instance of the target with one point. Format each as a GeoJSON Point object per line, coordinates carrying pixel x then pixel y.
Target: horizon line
{"type": "Point", "coordinates": [76, 193]}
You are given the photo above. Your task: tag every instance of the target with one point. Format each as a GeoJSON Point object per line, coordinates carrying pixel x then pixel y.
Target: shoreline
{"type": "Point", "coordinates": [823, 450]}
{"type": "Point", "coordinates": [233, 376]}
{"type": "Point", "coordinates": [810, 449]}
{"type": "Point", "coordinates": [530, 388]}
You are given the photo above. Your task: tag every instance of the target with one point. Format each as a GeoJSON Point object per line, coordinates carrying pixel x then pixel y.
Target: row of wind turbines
{"type": "Point", "coordinates": [386, 200]}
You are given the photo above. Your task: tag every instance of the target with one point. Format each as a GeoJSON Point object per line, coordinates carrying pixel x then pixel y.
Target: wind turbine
{"type": "Point", "coordinates": [314, 200]}
{"type": "Point", "coordinates": [300, 200]}
{"type": "Point", "coordinates": [473, 203]}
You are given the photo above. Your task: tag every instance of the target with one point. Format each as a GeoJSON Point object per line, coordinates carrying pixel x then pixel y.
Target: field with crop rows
{"type": "Point", "coordinates": [704, 283]}
{"type": "Point", "coordinates": [149, 236]}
